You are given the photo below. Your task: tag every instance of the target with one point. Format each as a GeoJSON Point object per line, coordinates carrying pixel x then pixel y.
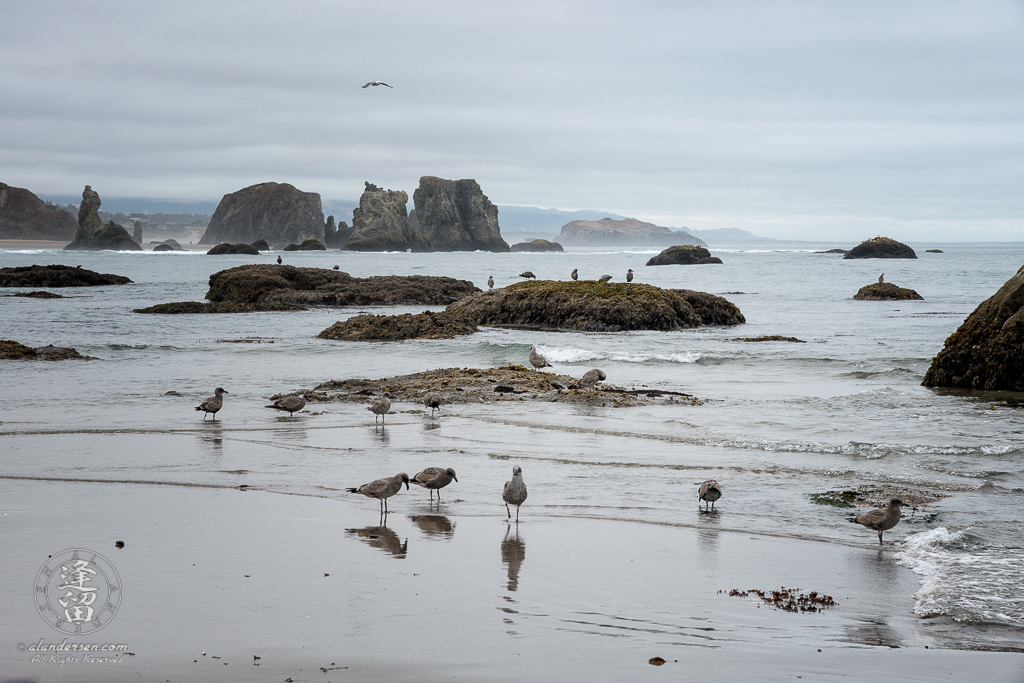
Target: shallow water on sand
{"type": "Point", "coordinates": [780, 421]}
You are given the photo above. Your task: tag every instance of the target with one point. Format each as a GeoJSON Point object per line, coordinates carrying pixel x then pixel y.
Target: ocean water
{"type": "Point", "coordinates": [778, 421]}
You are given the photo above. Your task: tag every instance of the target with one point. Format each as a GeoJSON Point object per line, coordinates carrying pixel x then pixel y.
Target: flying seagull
{"type": "Point", "coordinates": [376, 83]}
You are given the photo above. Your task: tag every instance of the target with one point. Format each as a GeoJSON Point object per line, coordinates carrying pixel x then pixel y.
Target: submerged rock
{"type": "Point", "coordinates": [684, 255]}
{"type": "Point", "coordinates": [934, 251]}
{"type": "Point", "coordinates": [24, 216]}
{"type": "Point", "coordinates": [12, 350]}
{"type": "Point", "coordinates": [833, 251]}
{"type": "Point", "coordinates": [455, 215]}
{"type": "Point", "coordinates": [222, 249]}
{"type": "Point", "coordinates": [985, 352]}
{"type": "Point", "coordinates": [886, 291]}
{"type": "Point", "coordinates": [770, 338]}
{"type": "Point", "coordinates": [57, 276]}
{"type": "Point", "coordinates": [307, 245]}
{"type": "Point", "coordinates": [276, 212]}
{"type": "Point", "coordinates": [381, 223]}
{"type": "Point", "coordinates": [36, 295]}
{"type": "Point", "coordinates": [93, 235]}
{"type": "Point", "coordinates": [188, 307]}
{"type": "Point", "coordinates": [881, 247]}
{"type": "Point", "coordinates": [320, 286]}
{"type": "Point", "coordinates": [597, 306]}
{"type": "Point", "coordinates": [165, 247]}
{"type": "Point", "coordinates": [537, 245]}
{"type": "Point", "coordinates": [425, 325]}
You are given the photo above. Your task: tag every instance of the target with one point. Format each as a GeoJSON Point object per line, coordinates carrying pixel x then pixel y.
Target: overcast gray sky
{"type": "Point", "coordinates": [804, 120]}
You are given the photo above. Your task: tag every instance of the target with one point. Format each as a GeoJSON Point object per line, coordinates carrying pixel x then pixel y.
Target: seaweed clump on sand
{"type": "Point", "coordinates": [57, 276]}
{"type": "Point", "coordinates": [876, 496]}
{"type": "Point", "coordinates": [185, 307]}
{"type": "Point", "coordinates": [425, 325]}
{"type": "Point", "coordinates": [886, 291]}
{"type": "Point", "coordinates": [12, 350]}
{"type": "Point", "coordinates": [260, 283]}
{"type": "Point", "coordinates": [985, 351]}
{"type": "Point", "coordinates": [597, 307]}
{"type": "Point", "coordinates": [788, 599]}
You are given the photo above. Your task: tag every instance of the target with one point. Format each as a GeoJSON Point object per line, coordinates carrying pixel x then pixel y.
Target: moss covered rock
{"type": "Point", "coordinates": [12, 350]}
{"type": "Point", "coordinates": [538, 245]}
{"type": "Point", "coordinates": [886, 291]}
{"type": "Point", "coordinates": [683, 255]}
{"type": "Point", "coordinates": [180, 307]}
{"type": "Point", "coordinates": [226, 248]}
{"type": "Point", "coordinates": [881, 247]}
{"type": "Point", "coordinates": [425, 325]}
{"type": "Point", "coordinates": [597, 306]}
{"type": "Point", "coordinates": [57, 276]}
{"type": "Point", "coordinates": [987, 351]}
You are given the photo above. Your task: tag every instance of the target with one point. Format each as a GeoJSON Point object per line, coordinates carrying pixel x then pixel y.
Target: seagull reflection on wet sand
{"type": "Point", "coordinates": [434, 525]}
{"type": "Point", "coordinates": [513, 552]}
{"type": "Point", "coordinates": [382, 538]}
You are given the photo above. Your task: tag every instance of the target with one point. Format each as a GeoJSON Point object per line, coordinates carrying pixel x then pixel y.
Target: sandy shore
{"type": "Point", "coordinates": [317, 590]}
{"type": "Point", "coordinates": [17, 245]}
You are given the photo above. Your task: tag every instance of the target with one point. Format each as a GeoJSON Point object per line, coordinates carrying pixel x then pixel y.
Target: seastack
{"type": "Point", "coordinates": [381, 223]}
{"type": "Point", "coordinates": [611, 232]}
{"type": "Point", "coordinates": [276, 212]}
{"type": "Point", "coordinates": [880, 247]}
{"type": "Point", "coordinates": [985, 352]}
{"type": "Point", "coordinates": [455, 215]}
{"type": "Point", "coordinates": [684, 255]}
{"type": "Point", "coordinates": [93, 235]}
{"type": "Point", "coordinates": [24, 216]}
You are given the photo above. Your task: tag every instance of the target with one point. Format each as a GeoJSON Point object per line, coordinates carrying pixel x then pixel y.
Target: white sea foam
{"type": "Point", "coordinates": [571, 354]}
{"type": "Point", "coordinates": [967, 581]}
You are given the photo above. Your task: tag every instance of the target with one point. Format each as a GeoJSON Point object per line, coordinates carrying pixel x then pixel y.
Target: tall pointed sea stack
{"type": "Point", "coordinates": [93, 235]}
{"type": "Point", "coordinates": [381, 223]}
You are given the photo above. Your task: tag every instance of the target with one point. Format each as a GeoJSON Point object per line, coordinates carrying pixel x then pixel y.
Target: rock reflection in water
{"type": "Point", "coordinates": [513, 552]}
{"type": "Point", "coordinates": [382, 538]}
{"type": "Point", "coordinates": [434, 525]}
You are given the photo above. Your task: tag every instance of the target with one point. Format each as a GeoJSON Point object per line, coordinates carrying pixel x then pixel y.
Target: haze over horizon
{"type": "Point", "coordinates": [792, 120]}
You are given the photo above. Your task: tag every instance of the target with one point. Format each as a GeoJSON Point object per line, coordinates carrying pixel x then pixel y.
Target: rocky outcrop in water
{"type": "Point", "coordinates": [24, 216]}
{"type": "Point", "coordinates": [137, 232]}
{"type": "Point", "coordinates": [455, 215]}
{"type": "Point", "coordinates": [12, 350]}
{"type": "Point", "coordinates": [425, 325]}
{"type": "Point", "coordinates": [93, 235]}
{"type": "Point", "coordinates": [260, 245]}
{"type": "Point", "coordinates": [886, 291]}
{"type": "Point", "coordinates": [537, 245]}
{"type": "Point", "coordinates": [626, 232]}
{"type": "Point", "coordinates": [381, 223]}
{"type": "Point", "coordinates": [307, 245]}
{"type": "Point", "coordinates": [222, 249]}
{"type": "Point", "coordinates": [596, 307]}
{"type": "Point", "coordinates": [684, 255]}
{"type": "Point", "coordinates": [319, 286]}
{"type": "Point", "coordinates": [987, 351]}
{"type": "Point", "coordinates": [57, 276]}
{"type": "Point", "coordinates": [880, 247]}
{"type": "Point", "coordinates": [276, 212]}
{"type": "Point", "coordinates": [335, 236]}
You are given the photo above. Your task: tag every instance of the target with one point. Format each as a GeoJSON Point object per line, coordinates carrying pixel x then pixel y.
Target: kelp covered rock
{"type": "Point", "coordinates": [886, 291]}
{"type": "Point", "coordinates": [57, 276]}
{"type": "Point", "coordinates": [425, 325]}
{"type": "Point", "coordinates": [683, 255]}
{"type": "Point", "coordinates": [880, 247]}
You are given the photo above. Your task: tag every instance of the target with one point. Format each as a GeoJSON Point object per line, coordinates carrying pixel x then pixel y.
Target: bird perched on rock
{"type": "Point", "coordinates": [709, 492]}
{"type": "Point", "coordinates": [514, 492]}
{"type": "Point", "coordinates": [292, 404]}
{"type": "Point", "coordinates": [490, 282]}
{"type": "Point", "coordinates": [538, 361]}
{"type": "Point", "coordinates": [337, 268]}
{"type": "Point", "coordinates": [382, 489]}
{"type": "Point", "coordinates": [380, 407]}
{"type": "Point", "coordinates": [527, 274]}
{"type": "Point", "coordinates": [604, 278]}
{"type": "Point", "coordinates": [433, 401]}
{"type": "Point", "coordinates": [212, 404]}
{"type": "Point", "coordinates": [279, 261]}
{"type": "Point", "coordinates": [590, 378]}
{"type": "Point", "coordinates": [435, 479]}
{"type": "Point", "coordinates": [375, 84]}
{"type": "Point", "coordinates": [574, 275]}
{"type": "Point", "coordinates": [881, 278]}
{"type": "Point", "coordinates": [629, 275]}
{"type": "Point", "coordinates": [883, 519]}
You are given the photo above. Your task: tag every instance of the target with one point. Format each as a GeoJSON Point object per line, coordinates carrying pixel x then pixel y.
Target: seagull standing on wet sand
{"type": "Point", "coordinates": [433, 401]}
{"type": "Point", "coordinates": [290, 403]}
{"type": "Point", "coordinates": [434, 479]}
{"type": "Point", "coordinates": [709, 492]}
{"type": "Point", "coordinates": [382, 489]}
{"type": "Point", "coordinates": [590, 378]}
{"type": "Point", "coordinates": [538, 361]}
{"type": "Point", "coordinates": [490, 282]}
{"type": "Point", "coordinates": [514, 492]}
{"type": "Point", "coordinates": [883, 519]}
{"type": "Point", "coordinates": [212, 404]}
{"type": "Point", "coordinates": [629, 275]}
{"type": "Point", "coordinates": [574, 275]}
{"type": "Point", "coordinates": [380, 407]}
{"type": "Point", "coordinates": [376, 83]}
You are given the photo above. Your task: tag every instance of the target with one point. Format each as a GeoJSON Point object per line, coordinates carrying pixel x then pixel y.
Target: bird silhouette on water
{"type": "Point", "coordinates": [629, 275]}
{"type": "Point", "coordinates": [538, 361]}
{"type": "Point", "coordinates": [709, 492]}
{"type": "Point", "coordinates": [382, 489]}
{"type": "Point", "coordinates": [292, 404]}
{"type": "Point", "coordinates": [574, 275]}
{"type": "Point", "coordinates": [433, 401]}
{"type": "Point", "coordinates": [213, 404]}
{"type": "Point", "coordinates": [514, 492]}
{"type": "Point", "coordinates": [883, 519]}
{"type": "Point", "coordinates": [435, 479]}
{"type": "Point", "coordinates": [380, 407]}
{"type": "Point", "coordinates": [528, 275]}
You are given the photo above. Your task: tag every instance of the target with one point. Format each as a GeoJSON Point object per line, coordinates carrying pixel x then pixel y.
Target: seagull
{"type": "Point", "coordinates": [604, 278]}
{"type": "Point", "coordinates": [212, 404]}
{"type": "Point", "coordinates": [881, 278]}
{"type": "Point", "coordinates": [434, 479]}
{"type": "Point", "coordinates": [376, 83]}
{"type": "Point", "coordinates": [433, 401]}
{"type": "Point", "coordinates": [527, 274]}
{"type": "Point", "coordinates": [629, 275]}
{"type": "Point", "coordinates": [279, 260]}
{"type": "Point", "coordinates": [709, 492]}
{"type": "Point", "coordinates": [380, 407]}
{"type": "Point", "coordinates": [336, 268]}
{"type": "Point", "coordinates": [881, 520]}
{"type": "Point", "coordinates": [514, 492]}
{"type": "Point", "coordinates": [538, 361]}
{"type": "Point", "coordinates": [590, 378]}
{"type": "Point", "coordinates": [290, 403]}
{"type": "Point", "coordinates": [574, 275]}
{"type": "Point", "coordinates": [490, 283]}
{"type": "Point", "coordinates": [382, 489]}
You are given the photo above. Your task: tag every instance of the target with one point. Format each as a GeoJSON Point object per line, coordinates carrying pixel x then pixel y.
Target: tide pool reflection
{"type": "Point", "coordinates": [513, 552]}
{"type": "Point", "coordinates": [382, 538]}
{"type": "Point", "coordinates": [437, 526]}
